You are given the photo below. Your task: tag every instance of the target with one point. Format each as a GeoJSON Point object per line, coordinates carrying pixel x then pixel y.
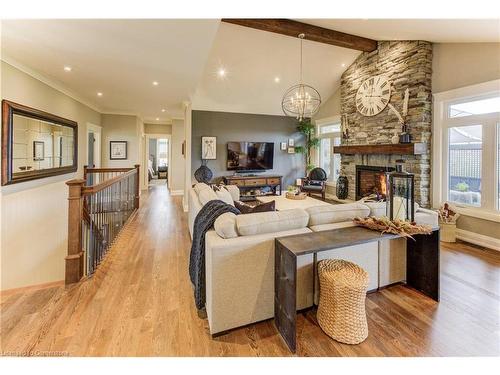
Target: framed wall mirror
{"type": "Point", "coordinates": [36, 144]}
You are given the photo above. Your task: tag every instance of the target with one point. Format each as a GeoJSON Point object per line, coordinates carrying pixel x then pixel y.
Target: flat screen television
{"type": "Point", "coordinates": [250, 156]}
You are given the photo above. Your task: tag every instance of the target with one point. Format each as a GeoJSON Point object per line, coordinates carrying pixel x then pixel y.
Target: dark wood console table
{"type": "Point", "coordinates": [422, 267]}
{"type": "Point", "coordinates": [247, 184]}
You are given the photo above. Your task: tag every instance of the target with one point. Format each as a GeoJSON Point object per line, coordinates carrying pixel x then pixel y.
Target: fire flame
{"type": "Point", "coordinates": [383, 185]}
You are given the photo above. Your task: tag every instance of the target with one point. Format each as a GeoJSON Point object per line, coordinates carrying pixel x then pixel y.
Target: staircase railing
{"type": "Point", "coordinates": [99, 206]}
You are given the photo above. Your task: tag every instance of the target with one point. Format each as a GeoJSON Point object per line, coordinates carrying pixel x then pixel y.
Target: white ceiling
{"type": "Point", "coordinates": [431, 30]}
{"type": "Point", "coordinates": [121, 59]}
{"type": "Point", "coordinates": [253, 58]}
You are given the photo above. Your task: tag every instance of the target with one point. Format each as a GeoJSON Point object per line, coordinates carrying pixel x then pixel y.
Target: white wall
{"type": "Point", "coordinates": [178, 161]}
{"type": "Point", "coordinates": [457, 65]}
{"type": "Point", "coordinates": [158, 128]}
{"type": "Point", "coordinates": [34, 213]}
{"type": "Point", "coordinates": [120, 128]}
{"type": "Point", "coordinates": [330, 107]}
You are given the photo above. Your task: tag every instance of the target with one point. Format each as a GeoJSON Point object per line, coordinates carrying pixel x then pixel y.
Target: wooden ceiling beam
{"type": "Point", "coordinates": [315, 33]}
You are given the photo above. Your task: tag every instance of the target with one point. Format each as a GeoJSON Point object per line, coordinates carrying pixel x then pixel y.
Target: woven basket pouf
{"type": "Point", "coordinates": [342, 294]}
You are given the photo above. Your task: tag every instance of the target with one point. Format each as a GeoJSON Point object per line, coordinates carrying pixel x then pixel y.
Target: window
{"type": "Point", "coordinates": [329, 134]}
{"type": "Point", "coordinates": [466, 150]}
{"type": "Point", "coordinates": [333, 128]}
{"type": "Point", "coordinates": [475, 107]}
{"type": "Point", "coordinates": [162, 153]}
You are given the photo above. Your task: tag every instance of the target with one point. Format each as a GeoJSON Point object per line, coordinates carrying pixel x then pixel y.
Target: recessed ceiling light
{"type": "Point", "coordinates": [343, 65]}
{"type": "Point", "coordinates": [155, 83]}
{"type": "Point", "coordinates": [163, 109]}
{"type": "Point", "coordinates": [221, 72]}
{"type": "Point", "coordinates": [67, 68]}
{"type": "Point", "coordinates": [277, 79]}
{"type": "Point", "coordinates": [99, 94]}
{"type": "Point", "coordinates": [157, 119]}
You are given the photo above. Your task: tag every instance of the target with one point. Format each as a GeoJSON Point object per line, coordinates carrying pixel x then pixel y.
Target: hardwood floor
{"type": "Point", "coordinates": [140, 303]}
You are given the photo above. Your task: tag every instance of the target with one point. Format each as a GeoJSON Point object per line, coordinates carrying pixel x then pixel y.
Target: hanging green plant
{"type": "Point", "coordinates": [306, 128]}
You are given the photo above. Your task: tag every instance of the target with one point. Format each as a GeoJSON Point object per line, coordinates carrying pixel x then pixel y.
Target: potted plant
{"type": "Point", "coordinates": [306, 128]}
{"type": "Point", "coordinates": [448, 217]}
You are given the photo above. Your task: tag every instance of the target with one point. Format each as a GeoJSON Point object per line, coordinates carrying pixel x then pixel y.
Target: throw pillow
{"type": "Point", "coordinates": [224, 195]}
{"type": "Point", "coordinates": [200, 186]}
{"type": "Point", "coordinates": [207, 195]}
{"type": "Point", "coordinates": [261, 207]}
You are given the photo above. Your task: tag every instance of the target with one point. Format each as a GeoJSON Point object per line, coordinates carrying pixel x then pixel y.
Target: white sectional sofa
{"type": "Point", "coordinates": [239, 256]}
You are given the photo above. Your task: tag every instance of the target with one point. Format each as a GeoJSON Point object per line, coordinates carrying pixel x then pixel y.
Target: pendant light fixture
{"type": "Point", "coordinates": [301, 101]}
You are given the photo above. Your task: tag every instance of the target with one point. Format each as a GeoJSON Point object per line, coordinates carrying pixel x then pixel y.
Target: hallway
{"type": "Point", "coordinates": [140, 303]}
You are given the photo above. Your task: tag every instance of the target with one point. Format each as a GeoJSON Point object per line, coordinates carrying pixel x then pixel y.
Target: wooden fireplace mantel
{"type": "Point", "coordinates": [388, 149]}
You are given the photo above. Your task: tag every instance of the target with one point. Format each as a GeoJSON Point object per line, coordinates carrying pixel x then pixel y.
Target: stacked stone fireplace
{"type": "Point", "coordinates": [408, 64]}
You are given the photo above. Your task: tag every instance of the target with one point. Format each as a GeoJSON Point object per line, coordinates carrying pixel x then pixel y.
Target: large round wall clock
{"type": "Point", "coordinates": [373, 95]}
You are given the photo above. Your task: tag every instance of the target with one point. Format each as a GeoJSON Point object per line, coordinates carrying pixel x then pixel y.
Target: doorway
{"type": "Point", "coordinates": [93, 159]}
{"type": "Point", "coordinates": [158, 159]}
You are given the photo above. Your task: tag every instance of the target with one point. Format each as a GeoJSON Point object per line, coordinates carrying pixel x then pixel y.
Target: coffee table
{"type": "Point", "coordinates": [283, 203]}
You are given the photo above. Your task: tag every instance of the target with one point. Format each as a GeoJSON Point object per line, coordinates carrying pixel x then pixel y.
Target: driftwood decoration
{"type": "Point", "coordinates": [401, 227]}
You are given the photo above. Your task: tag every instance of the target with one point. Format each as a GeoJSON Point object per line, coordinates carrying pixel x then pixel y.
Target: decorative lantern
{"type": "Point", "coordinates": [400, 194]}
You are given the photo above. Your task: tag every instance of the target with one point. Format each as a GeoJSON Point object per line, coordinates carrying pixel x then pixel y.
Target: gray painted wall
{"type": "Point", "coordinates": [229, 127]}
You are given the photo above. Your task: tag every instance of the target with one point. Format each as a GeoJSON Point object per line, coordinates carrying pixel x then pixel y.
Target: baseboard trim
{"type": "Point", "coordinates": [478, 239]}
{"type": "Point", "coordinates": [30, 288]}
{"type": "Point", "coordinates": [177, 192]}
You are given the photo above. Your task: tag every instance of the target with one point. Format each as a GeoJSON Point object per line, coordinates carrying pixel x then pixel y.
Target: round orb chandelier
{"type": "Point", "coordinates": [301, 101]}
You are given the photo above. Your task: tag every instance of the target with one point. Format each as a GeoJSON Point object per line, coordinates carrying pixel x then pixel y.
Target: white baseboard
{"type": "Point", "coordinates": [478, 239]}
{"type": "Point", "coordinates": [177, 192]}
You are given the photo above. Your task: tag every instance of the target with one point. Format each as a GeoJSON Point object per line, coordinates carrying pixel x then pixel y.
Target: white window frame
{"type": "Point", "coordinates": [442, 122]}
{"type": "Point", "coordinates": [326, 122]}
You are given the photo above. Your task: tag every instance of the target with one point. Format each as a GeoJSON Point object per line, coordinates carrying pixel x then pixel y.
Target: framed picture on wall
{"type": "Point", "coordinates": [38, 150]}
{"type": "Point", "coordinates": [209, 148]}
{"type": "Point", "coordinates": [283, 146]}
{"type": "Point", "coordinates": [291, 150]}
{"type": "Point", "coordinates": [118, 150]}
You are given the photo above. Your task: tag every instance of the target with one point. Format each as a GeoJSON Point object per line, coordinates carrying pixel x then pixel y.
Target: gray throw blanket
{"type": "Point", "coordinates": [203, 222]}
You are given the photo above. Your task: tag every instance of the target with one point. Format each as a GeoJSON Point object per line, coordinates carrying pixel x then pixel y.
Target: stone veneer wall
{"type": "Point", "coordinates": [408, 64]}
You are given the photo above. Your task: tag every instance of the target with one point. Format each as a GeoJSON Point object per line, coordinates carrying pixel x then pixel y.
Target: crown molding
{"type": "Point", "coordinates": [158, 122]}
{"type": "Point", "coordinates": [49, 82]}
{"type": "Point", "coordinates": [120, 113]}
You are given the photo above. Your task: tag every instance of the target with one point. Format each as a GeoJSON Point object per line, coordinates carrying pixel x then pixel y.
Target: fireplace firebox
{"type": "Point", "coordinates": [371, 180]}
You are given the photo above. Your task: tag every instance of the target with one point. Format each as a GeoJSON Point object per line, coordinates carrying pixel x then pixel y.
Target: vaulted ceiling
{"type": "Point", "coordinates": [254, 60]}
{"type": "Point", "coordinates": [122, 58]}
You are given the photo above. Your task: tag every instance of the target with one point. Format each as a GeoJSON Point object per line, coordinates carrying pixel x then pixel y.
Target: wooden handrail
{"type": "Point", "coordinates": [87, 190]}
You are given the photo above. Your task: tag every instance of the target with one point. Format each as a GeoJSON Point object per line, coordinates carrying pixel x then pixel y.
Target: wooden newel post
{"type": "Point", "coordinates": [74, 259]}
{"type": "Point", "coordinates": [137, 186]}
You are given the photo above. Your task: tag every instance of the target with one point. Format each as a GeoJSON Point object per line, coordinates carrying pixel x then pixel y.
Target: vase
{"type": "Point", "coordinates": [342, 187]}
{"type": "Point", "coordinates": [395, 139]}
{"type": "Point", "coordinates": [404, 138]}
{"type": "Point", "coordinates": [203, 174]}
